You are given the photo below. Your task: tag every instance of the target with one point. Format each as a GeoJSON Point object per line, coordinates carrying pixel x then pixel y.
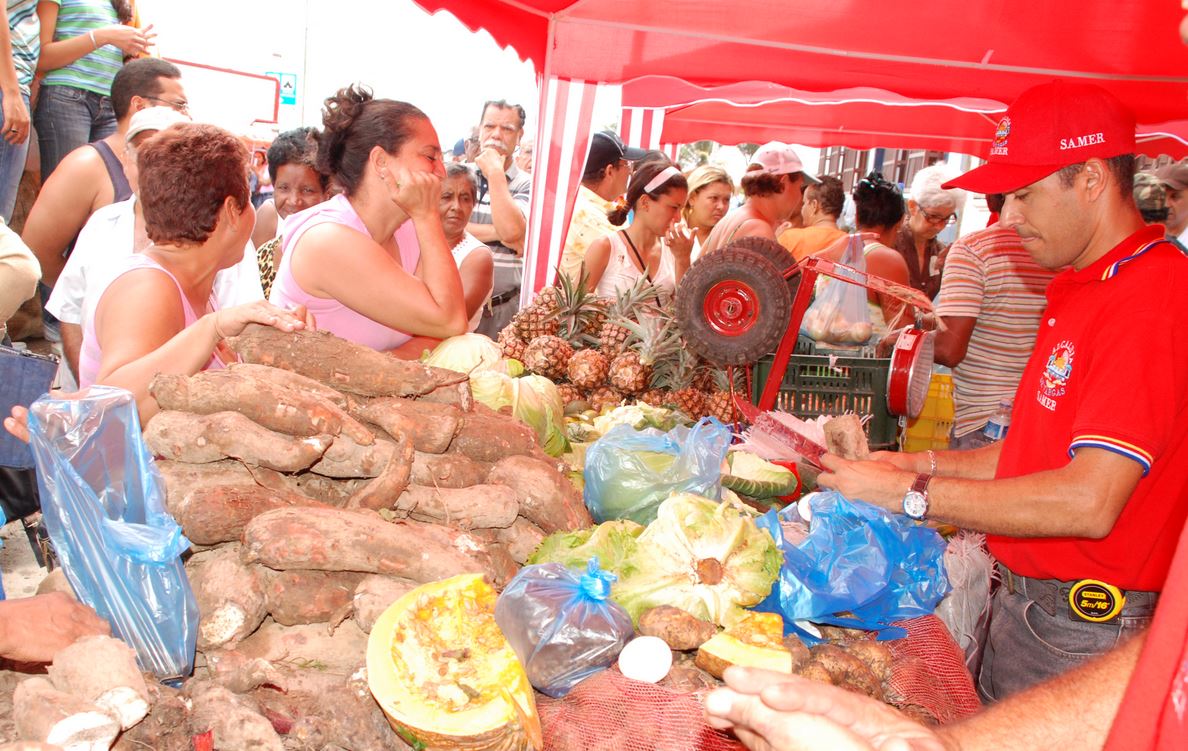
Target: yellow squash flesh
{"type": "Point", "coordinates": [444, 674]}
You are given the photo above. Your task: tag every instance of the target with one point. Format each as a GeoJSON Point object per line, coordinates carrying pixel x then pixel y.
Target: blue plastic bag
{"type": "Point", "coordinates": [562, 624]}
{"type": "Point", "coordinates": [630, 472]}
{"type": "Point", "coordinates": [103, 503]}
{"type": "Point", "coordinates": [860, 559]}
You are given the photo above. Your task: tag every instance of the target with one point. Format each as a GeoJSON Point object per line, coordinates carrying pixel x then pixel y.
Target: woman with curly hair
{"type": "Point", "coordinates": [372, 264]}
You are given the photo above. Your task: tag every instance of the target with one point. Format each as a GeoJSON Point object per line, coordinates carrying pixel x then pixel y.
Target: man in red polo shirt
{"type": "Point", "coordinates": [1085, 499]}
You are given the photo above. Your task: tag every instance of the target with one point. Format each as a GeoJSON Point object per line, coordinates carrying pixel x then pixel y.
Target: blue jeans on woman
{"type": "Point", "coordinates": [12, 166]}
{"type": "Point", "coordinates": [67, 118]}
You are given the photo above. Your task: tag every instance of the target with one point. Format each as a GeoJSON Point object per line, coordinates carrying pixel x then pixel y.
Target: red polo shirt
{"type": "Point", "coordinates": [1109, 371]}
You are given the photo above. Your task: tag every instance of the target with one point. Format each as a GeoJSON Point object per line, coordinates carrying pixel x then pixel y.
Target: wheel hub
{"type": "Point", "coordinates": [731, 307]}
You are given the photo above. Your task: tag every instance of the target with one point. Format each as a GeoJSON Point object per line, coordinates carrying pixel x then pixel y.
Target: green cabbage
{"type": "Point", "coordinates": [467, 353]}
{"type": "Point", "coordinates": [491, 389]}
{"type": "Point", "coordinates": [537, 403]}
{"type": "Point", "coordinates": [612, 542]}
{"type": "Point", "coordinates": [757, 478]}
{"type": "Point", "coordinates": [704, 557]}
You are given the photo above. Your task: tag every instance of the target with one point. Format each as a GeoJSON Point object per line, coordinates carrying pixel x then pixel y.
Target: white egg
{"type": "Point", "coordinates": [646, 658]}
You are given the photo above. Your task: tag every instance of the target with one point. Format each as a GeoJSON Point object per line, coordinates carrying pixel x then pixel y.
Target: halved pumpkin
{"type": "Point", "coordinates": [444, 674]}
{"type": "Point", "coordinates": [755, 642]}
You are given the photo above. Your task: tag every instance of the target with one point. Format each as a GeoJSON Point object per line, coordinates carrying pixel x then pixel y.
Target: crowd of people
{"type": "Point", "coordinates": [151, 251]}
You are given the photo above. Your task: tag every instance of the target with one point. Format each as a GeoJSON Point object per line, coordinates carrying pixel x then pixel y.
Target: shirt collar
{"type": "Point", "coordinates": [595, 199]}
{"type": "Point", "coordinates": [1117, 258]}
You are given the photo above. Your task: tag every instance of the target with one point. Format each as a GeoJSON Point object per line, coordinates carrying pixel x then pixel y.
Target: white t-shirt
{"type": "Point", "coordinates": [465, 246]}
{"type": "Point", "coordinates": [109, 236]}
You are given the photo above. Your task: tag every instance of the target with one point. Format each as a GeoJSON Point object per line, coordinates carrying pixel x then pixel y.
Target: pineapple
{"type": "Point", "coordinates": [625, 308]}
{"type": "Point", "coordinates": [654, 397]}
{"type": "Point", "coordinates": [588, 368]}
{"type": "Point", "coordinates": [539, 318]}
{"type": "Point", "coordinates": [689, 400]}
{"type": "Point", "coordinates": [654, 340]}
{"type": "Point", "coordinates": [512, 345]}
{"type": "Point", "coordinates": [569, 394]}
{"type": "Point", "coordinates": [547, 356]}
{"type": "Point", "coordinates": [676, 375]}
{"type": "Point", "coordinates": [719, 401]}
{"type": "Point", "coordinates": [604, 397]}
{"type": "Point", "coordinates": [577, 311]}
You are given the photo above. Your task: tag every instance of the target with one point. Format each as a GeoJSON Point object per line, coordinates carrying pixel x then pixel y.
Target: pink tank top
{"type": "Point", "coordinates": [90, 355]}
{"type": "Point", "coordinates": [332, 315]}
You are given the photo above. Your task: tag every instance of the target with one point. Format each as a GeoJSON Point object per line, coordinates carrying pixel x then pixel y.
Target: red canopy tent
{"type": "Point", "coordinates": [926, 51]}
{"type": "Point", "coordinates": [862, 118]}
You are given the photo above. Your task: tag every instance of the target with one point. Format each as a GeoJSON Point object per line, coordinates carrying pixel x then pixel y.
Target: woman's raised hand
{"type": "Point", "coordinates": [230, 322]}
{"type": "Point", "coordinates": [679, 239]}
{"type": "Point", "coordinates": [418, 193]}
{"type": "Point", "coordinates": [130, 40]}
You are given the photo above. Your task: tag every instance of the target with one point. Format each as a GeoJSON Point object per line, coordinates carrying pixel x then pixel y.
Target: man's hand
{"type": "Point", "coordinates": [34, 629]}
{"type": "Point", "coordinates": [18, 423]}
{"type": "Point", "coordinates": [490, 162]}
{"type": "Point", "coordinates": [777, 712]}
{"type": "Point", "coordinates": [880, 483]}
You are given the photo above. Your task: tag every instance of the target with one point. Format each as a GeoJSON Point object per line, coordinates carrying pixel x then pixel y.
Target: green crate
{"type": "Point", "coordinates": [813, 387]}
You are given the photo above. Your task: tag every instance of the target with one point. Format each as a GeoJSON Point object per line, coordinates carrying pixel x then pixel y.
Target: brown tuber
{"type": "Point", "coordinates": [297, 597]}
{"type": "Point", "coordinates": [679, 630]}
{"type": "Point", "coordinates": [476, 507]}
{"type": "Point", "coordinates": [547, 498]}
{"type": "Point", "coordinates": [229, 594]}
{"type": "Point", "coordinates": [218, 513]}
{"type": "Point", "coordinates": [198, 439]}
{"type": "Point", "coordinates": [343, 365]}
{"type": "Point", "coordinates": [45, 714]}
{"type": "Point", "coordinates": [103, 671]}
{"type": "Point", "coordinates": [430, 426]}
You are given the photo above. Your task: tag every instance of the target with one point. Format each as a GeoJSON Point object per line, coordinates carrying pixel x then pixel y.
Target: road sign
{"type": "Point", "coordinates": [288, 86]}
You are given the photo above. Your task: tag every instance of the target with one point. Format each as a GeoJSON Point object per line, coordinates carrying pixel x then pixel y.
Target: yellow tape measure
{"type": "Point", "coordinates": [1095, 601]}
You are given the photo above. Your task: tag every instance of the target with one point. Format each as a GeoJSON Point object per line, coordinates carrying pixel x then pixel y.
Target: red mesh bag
{"type": "Point", "coordinates": [609, 711]}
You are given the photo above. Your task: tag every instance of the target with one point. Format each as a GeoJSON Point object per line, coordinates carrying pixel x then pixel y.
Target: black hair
{"type": "Point", "coordinates": [503, 104]}
{"type": "Point", "coordinates": [644, 174]}
{"type": "Point", "coordinates": [1122, 166]}
{"type": "Point", "coordinates": [140, 77]}
{"type": "Point", "coordinates": [295, 146]}
{"type": "Point", "coordinates": [353, 123]}
{"type": "Point", "coordinates": [123, 9]}
{"type": "Point", "coordinates": [457, 169]}
{"type": "Point", "coordinates": [995, 202]}
{"type": "Point", "coordinates": [878, 202]}
{"type": "Point", "coordinates": [829, 193]}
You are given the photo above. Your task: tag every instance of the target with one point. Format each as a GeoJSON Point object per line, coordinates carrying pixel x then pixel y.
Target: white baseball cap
{"type": "Point", "coordinates": [154, 118]}
{"type": "Point", "coordinates": [778, 158]}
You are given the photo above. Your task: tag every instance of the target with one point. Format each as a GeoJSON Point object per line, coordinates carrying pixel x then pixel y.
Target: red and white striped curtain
{"type": "Point", "coordinates": [562, 140]}
{"type": "Point", "coordinates": [643, 127]}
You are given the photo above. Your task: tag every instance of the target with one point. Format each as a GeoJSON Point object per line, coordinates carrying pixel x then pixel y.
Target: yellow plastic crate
{"type": "Point", "coordinates": [932, 428]}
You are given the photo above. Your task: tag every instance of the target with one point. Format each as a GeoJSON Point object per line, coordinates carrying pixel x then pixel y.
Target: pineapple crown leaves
{"type": "Point", "coordinates": [654, 337]}
{"type": "Point", "coordinates": [639, 296]}
{"type": "Point", "coordinates": [577, 310]}
{"type": "Point", "coordinates": [678, 371]}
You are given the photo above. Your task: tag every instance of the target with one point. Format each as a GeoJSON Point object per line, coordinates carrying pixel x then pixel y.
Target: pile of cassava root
{"type": "Point", "coordinates": [318, 481]}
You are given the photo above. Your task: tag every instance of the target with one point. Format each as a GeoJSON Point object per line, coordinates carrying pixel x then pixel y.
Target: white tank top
{"type": "Point", "coordinates": [621, 274]}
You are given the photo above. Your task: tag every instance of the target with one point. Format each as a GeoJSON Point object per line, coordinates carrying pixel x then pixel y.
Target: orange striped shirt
{"type": "Point", "coordinates": [989, 276]}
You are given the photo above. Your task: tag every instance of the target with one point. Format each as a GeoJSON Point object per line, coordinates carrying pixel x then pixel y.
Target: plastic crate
{"type": "Point", "coordinates": [814, 386]}
{"type": "Point", "coordinates": [931, 429]}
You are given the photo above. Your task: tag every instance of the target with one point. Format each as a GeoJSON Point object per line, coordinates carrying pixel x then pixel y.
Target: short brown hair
{"type": "Point", "coordinates": [186, 172]}
{"type": "Point", "coordinates": [758, 183]}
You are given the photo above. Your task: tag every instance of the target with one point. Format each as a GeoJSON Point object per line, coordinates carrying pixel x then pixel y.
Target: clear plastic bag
{"type": "Point", "coordinates": [840, 314]}
{"type": "Point", "coordinates": [629, 472]}
{"type": "Point", "coordinates": [857, 559]}
{"type": "Point", "coordinates": [562, 624]}
{"type": "Point", "coordinates": [103, 502]}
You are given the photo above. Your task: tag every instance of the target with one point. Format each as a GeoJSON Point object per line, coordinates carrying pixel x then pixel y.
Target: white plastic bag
{"type": "Point", "coordinates": [840, 315]}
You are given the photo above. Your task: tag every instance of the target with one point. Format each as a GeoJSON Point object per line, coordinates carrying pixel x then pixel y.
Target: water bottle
{"type": "Point", "coordinates": [996, 428]}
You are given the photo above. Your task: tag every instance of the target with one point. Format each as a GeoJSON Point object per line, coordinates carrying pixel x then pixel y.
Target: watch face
{"type": "Point", "coordinates": [915, 504]}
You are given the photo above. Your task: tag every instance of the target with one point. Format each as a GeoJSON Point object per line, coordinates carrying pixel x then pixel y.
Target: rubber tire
{"type": "Point", "coordinates": [777, 254]}
{"type": "Point", "coordinates": [765, 333]}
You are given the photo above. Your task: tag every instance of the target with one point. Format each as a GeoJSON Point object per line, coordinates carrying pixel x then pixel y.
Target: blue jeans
{"type": "Point", "coordinates": [67, 118]}
{"type": "Point", "coordinates": [12, 165]}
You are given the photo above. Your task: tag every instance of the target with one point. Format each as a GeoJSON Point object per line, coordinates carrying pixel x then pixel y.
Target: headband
{"type": "Point", "coordinates": [665, 175]}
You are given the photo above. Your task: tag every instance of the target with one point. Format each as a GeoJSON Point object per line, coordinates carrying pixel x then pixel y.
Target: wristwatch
{"type": "Point", "coordinates": [915, 501]}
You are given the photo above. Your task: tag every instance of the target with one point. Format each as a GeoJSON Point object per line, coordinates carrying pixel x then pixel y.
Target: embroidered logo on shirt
{"type": "Point", "coordinates": [999, 146]}
{"type": "Point", "coordinates": [1054, 378]}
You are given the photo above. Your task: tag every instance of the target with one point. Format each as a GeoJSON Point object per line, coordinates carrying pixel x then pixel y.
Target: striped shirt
{"type": "Point", "coordinates": [24, 28]}
{"type": "Point", "coordinates": [95, 70]}
{"type": "Point", "coordinates": [509, 265]}
{"type": "Point", "coordinates": [989, 276]}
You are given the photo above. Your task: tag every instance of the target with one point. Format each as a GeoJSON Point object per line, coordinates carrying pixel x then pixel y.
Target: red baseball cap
{"type": "Point", "coordinates": [1048, 127]}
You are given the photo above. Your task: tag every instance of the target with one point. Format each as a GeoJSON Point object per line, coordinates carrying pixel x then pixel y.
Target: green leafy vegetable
{"type": "Point", "coordinates": [757, 478]}
{"type": "Point", "coordinates": [613, 542]}
{"type": "Point", "coordinates": [704, 557]}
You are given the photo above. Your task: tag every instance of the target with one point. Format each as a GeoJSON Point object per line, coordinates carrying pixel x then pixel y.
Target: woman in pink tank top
{"type": "Point", "coordinates": [157, 313]}
{"type": "Point", "coordinates": [372, 265]}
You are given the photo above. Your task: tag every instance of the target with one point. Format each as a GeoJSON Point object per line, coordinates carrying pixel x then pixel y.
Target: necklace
{"type": "Point", "coordinates": [638, 257]}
